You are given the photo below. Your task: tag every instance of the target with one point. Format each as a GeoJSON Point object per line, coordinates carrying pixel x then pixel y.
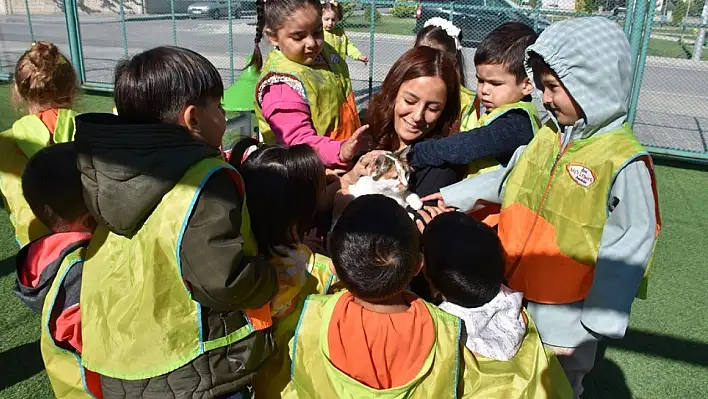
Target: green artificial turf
{"type": "Point", "coordinates": [664, 356]}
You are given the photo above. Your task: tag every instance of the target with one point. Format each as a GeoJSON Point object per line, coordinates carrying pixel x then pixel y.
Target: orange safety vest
{"type": "Point", "coordinates": [555, 208]}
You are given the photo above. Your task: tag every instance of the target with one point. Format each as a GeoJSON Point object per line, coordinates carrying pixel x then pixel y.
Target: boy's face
{"type": "Point", "coordinates": [497, 86]}
{"type": "Point", "coordinates": [207, 123]}
{"type": "Point", "coordinates": [557, 100]}
{"type": "Point", "coordinates": [300, 38]}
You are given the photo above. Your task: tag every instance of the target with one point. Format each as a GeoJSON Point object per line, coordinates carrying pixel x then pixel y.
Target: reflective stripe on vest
{"type": "Point", "coordinates": [555, 208]}
{"type": "Point", "coordinates": [138, 316]}
{"type": "Point", "coordinates": [64, 367]}
{"type": "Point", "coordinates": [30, 135]}
{"type": "Point", "coordinates": [274, 376]}
{"type": "Point", "coordinates": [313, 375]}
{"type": "Point", "coordinates": [473, 121]}
{"type": "Point", "coordinates": [326, 89]}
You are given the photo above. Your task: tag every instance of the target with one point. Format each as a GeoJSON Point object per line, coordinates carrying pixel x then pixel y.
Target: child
{"type": "Point", "coordinates": [49, 269]}
{"type": "Point", "coordinates": [508, 118]}
{"type": "Point", "coordinates": [443, 35]}
{"type": "Point", "coordinates": [283, 187]}
{"type": "Point", "coordinates": [45, 87]}
{"type": "Point", "coordinates": [304, 95]}
{"type": "Point", "coordinates": [464, 264]}
{"type": "Point", "coordinates": [579, 212]}
{"type": "Point", "coordinates": [172, 268]}
{"type": "Point", "coordinates": [335, 36]}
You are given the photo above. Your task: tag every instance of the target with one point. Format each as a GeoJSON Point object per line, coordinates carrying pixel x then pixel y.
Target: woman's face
{"type": "Point", "coordinates": [419, 104]}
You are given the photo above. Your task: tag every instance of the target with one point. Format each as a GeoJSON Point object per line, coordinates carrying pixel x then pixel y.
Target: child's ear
{"type": "Point", "coordinates": [526, 87]}
{"type": "Point", "coordinates": [272, 37]}
{"type": "Point", "coordinates": [332, 269]}
{"type": "Point", "coordinates": [188, 118]}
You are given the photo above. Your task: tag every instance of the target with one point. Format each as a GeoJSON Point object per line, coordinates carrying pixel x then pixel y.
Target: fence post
{"type": "Point", "coordinates": [231, 43]}
{"type": "Point", "coordinates": [646, 27]}
{"type": "Point", "coordinates": [372, 31]}
{"type": "Point", "coordinates": [29, 21]}
{"type": "Point", "coordinates": [635, 34]}
{"type": "Point", "coordinates": [74, 36]}
{"type": "Point", "coordinates": [537, 14]}
{"type": "Point", "coordinates": [698, 46]}
{"type": "Point", "coordinates": [123, 29]}
{"type": "Point", "coordinates": [629, 17]}
{"type": "Point", "coordinates": [174, 23]}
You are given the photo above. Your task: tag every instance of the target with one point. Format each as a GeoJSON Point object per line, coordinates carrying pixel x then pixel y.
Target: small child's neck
{"type": "Point", "coordinates": [394, 304]}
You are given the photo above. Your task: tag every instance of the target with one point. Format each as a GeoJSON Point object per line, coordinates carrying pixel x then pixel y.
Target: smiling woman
{"type": "Point", "coordinates": [419, 100]}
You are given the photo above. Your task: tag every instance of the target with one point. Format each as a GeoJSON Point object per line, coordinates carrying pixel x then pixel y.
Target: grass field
{"type": "Point", "coordinates": [665, 354]}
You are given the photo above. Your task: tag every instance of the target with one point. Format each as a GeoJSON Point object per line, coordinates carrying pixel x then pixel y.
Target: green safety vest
{"type": "Point", "coordinates": [313, 375]}
{"type": "Point", "coordinates": [139, 319]}
{"type": "Point", "coordinates": [27, 136]}
{"type": "Point", "coordinates": [555, 208]}
{"type": "Point", "coordinates": [272, 378]}
{"type": "Point", "coordinates": [326, 89]}
{"type": "Point", "coordinates": [472, 120]}
{"type": "Point", "coordinates": [64, 367]}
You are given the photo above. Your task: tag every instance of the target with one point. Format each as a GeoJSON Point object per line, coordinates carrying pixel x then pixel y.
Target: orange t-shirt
{"type": "Point", "coordinates": [49, 117]}
{"type": "Point", "coordinates": [380, 350]}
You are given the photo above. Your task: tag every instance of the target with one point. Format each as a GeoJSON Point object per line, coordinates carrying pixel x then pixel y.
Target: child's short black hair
{"type": "Point", "coordinates": [155, 85]}
{"type": "Point", "coordinates": [375, 248]}
{"type": "Point", "coordinates": [464, 259]}
{"type": "Point", "coordinates": [506, 45]}
{"type": "Point", "coordinates": [51, 184]}
{"type": "Point", "coordinates": [538, 65]}
{"type": "Point", "coordinates": [283, 186]}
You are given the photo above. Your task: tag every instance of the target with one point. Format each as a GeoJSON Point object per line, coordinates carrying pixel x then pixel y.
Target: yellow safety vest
{"type": "Point", "coordinates": [555, 209]}
{"type": "Point", "coordinates": [473, 120]}
{"type": "Point", "coordinates": [466, 106]}
{"type": "Point", "coordinates": [27, 136]}
{"type": "Point", "coordinates": [314, 376]}
{"type": "Point", "coordinates": [340, 42]}
{"type": "Point", "coordinates": [533, 370]}
{"type": "Point", "coordinates": [64, 367]}
{"type": "Point", "coordinates": [139, 319]}
{"type": "Point", "coordinates": [326, 89]}
{"type": "Point", "coordinates": [272, 379]}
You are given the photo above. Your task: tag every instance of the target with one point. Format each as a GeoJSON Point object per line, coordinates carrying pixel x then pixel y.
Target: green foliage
{"type": "Point", "coordinates": [403, 10]}
{"type": "Point", "coordinates": [347, 7]}
{"type": "Point", "coordinates": [367, 14]}
{"type": "Point", "coordinates": [585, 6]}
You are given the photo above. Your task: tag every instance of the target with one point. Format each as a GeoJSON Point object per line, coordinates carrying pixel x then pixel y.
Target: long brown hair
{"type": "Point", "coordinates": [415, 63]}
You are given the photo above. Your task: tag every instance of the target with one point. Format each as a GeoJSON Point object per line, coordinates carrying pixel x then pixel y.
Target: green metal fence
{"type": "Point", "coordinates": [668, 104]}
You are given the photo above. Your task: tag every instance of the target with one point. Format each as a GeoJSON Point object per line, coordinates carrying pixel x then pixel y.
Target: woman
{"type": "Point", "coordinates": [419, 100]}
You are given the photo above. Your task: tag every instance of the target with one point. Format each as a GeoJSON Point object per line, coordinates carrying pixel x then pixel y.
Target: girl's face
{"type": "Point", "coordinates": [419, 104]}
{"type": "Point", "coordinates": [329, 19]}
{"type": "Point", "coordinates": [300, 38]}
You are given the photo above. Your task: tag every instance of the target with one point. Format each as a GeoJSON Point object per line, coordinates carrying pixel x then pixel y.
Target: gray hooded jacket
{"type": "Point", "coordinates": [590, 56]}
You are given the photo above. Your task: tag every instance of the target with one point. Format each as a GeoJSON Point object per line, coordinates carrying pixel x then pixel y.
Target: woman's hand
{"type": "Point", "coordinates": [361, 168]}
{"type": "Point", "coordinates": [364, 59]}
{"type": "Point", "coordinates": [359, 141]}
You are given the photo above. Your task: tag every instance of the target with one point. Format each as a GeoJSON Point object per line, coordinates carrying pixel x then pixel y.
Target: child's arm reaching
{"type": "Point", "coordinates": [498, 139]}
{"type": "Point", "coordinates": [626, 246]}
{"type": "Point", "coordinates": [354, 52]}
{"type": "Point", "coordinates": [289, 117]}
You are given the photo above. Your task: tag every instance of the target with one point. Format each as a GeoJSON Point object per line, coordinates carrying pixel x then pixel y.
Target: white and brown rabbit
{"type": "Point", "coordinates": [389, 177]}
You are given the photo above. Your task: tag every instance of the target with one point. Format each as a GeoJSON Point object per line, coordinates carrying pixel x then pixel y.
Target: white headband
{"type": "Point", "coordinates": [449, 28]}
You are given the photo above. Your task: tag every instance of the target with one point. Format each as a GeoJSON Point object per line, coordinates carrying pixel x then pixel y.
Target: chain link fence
{"type": "Point", "coordinates": [668, 105]}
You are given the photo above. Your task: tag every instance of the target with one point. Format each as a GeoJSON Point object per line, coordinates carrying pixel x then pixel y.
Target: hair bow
{"type": "Point", "coordinates": [449, 28]}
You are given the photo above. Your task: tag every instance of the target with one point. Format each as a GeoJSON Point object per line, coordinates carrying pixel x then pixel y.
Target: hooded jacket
{"type": "Point", "coordinates": [126, 170]}
{"type": "Point", "coordinates": [590, 56]}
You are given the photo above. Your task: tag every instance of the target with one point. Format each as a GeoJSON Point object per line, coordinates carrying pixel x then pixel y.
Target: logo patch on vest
{"type": "Point", "coordinates": [581, 175]}
{"type": "Point", "coordinates": [334, 58]}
